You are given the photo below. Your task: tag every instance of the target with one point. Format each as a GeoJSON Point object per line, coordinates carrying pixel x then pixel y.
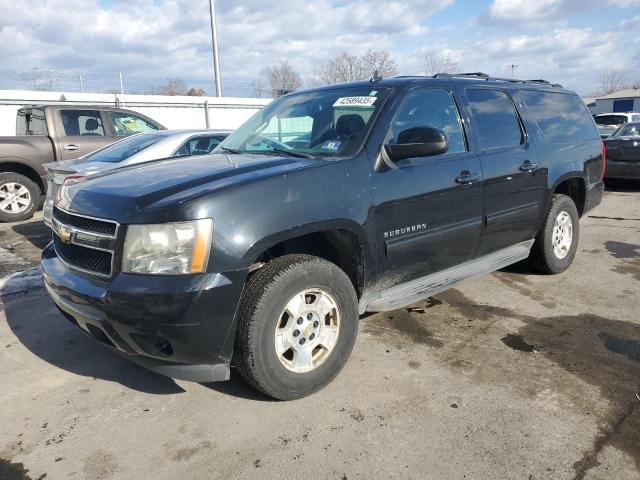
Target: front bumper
{"type": "Point", "coordinates": [618, 169]}
{"type": "Point", "coordinates": [179, 326]}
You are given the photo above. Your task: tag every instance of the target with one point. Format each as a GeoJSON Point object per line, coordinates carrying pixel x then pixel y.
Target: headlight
{"type": "Point", "coordinates": [167, 249]}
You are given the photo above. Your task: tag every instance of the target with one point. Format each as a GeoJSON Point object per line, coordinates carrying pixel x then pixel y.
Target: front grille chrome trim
{"type": "Point", "coordinates": [88, 217]}
{"type": "Point", "coordinates": [98, 235]}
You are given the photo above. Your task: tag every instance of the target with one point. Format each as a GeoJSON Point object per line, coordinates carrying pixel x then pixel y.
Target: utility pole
{"type": "Point", "coordinates": [121, 84]}
{"type": "Point", "coordinates": [513, 67]}
{"type": "Point", "coordinates": [81, 83]}
{"type": "Point", "coordinates": [214, 42]}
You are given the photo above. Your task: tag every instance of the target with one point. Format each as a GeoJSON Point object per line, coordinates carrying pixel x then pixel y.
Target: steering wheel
{"type": "Point", "coordinates": [270, 142]}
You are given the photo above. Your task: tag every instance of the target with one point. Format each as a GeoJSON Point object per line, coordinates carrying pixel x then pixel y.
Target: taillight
{"type": "Point", "coordinates": [604, 158]}
{"type": "Point", "coordinates": [73, 179]}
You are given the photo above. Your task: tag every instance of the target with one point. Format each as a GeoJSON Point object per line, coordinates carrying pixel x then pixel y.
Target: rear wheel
{"type": "Point", "coordinates": [298, 321]}
{"type": "Point", "coordinates": [19, 197]}
{"type": "Point", "coordinates": [557, 242]}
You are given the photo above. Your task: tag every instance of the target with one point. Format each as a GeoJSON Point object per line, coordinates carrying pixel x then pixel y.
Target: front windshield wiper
{"type": "Point", "coordinates": [291, 153]}
{"type": "Point", "coordinates": [230, 150]}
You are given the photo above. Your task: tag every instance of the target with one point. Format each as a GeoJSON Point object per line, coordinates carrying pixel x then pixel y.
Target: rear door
{"type": "Point", "coordinates": [428, 210]}
{"type": "Point", "coordinates": [514, 184]}
{"type": "Point", "coordinates": [81, 131]}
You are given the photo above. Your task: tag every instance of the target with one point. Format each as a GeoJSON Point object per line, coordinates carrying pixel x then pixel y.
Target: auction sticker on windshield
{"type": "Point", "coordinates": [355, 102]}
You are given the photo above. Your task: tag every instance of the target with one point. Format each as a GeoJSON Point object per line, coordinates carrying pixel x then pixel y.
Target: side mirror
{"type": "Point", "coordinates": [417, 142]}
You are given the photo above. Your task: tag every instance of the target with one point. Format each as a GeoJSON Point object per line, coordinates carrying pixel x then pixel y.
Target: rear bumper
{"type": "Point", "coordinates": [616, 169]}
{"type": "Point", "coordinates": [179, 326]}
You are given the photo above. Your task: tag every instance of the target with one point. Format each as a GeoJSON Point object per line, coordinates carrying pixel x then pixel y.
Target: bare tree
{"type": "Point", "coordinates": [283, 78]}
{"type": "Point", "coordinates": [197, 92]}
{"type": "Point", "coordinates": [438, 63]}
{"type": "Point", "coordinates": [611, 81]}
{"type": "Point", "coordinates": [379, 61]}
{"type": "Point", "coordinates": [341, 68]}
{"type": "Point", "coordinates": [257, 88]}
{"type": "Point", "coordinates": [172, 86]}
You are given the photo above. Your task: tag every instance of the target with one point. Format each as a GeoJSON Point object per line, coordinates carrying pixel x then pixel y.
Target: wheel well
{"type": "Point", "coordinates": [340, 247]}
{"type": "Point", "coordinates": [23, 170]}
{"type": "Point", "coordinates": [574, 188]}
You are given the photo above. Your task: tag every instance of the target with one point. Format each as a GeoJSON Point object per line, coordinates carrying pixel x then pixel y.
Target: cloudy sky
{"type": "Point", "coordinates": [568, 41]}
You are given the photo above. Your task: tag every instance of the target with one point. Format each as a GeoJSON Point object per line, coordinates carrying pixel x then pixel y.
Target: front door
{"type": "Point", "coordinates": [428, 210]}
{"type": "Point", "coordinates": [83, 131]}
{"type": "Point", "coordinates": [514, 183]}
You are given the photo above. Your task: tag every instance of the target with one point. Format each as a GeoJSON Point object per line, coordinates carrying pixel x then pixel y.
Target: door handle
{"type": "Point", "coordinates": [71, 148]}
{"type": "Point", "coordinates": [467, 178]}
{"type": "Point", "coordinates": [527, 166]}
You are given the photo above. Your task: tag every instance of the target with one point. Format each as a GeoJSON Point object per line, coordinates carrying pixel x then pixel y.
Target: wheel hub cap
{"type": "Point", "coordinates": [14, 198]}
{"type": "Point", "coordinates": [307, 330]}
{"type": "Point", "coordinates": [562, 235]}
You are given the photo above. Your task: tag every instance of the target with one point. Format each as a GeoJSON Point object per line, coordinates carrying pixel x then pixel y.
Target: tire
{"type": "Point", "coordinates": [266, 307]}
{"type": "Point", "coordinates": [549, 257]}
{"type": "Point", "coordinates": [23, 205]}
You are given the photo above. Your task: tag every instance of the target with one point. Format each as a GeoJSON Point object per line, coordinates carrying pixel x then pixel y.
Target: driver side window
{"type": "Point", "coordinates": [430, 108]}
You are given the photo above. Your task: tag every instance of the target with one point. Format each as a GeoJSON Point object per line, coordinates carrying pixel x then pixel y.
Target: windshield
{"type": "Point", "coordinates": [123, 149]}
{"type": "Point", "coordinates": [629, 130]}
{"type": "Point", "coordinates": [327, 123]}
{"type": "Point", "coordinates": [611, 119]}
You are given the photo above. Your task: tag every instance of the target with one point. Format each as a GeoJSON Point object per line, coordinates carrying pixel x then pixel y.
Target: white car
{"type": "Point", "coordinates": [136, 149]}
{"type": "Point", "coordinates": [609, 122]}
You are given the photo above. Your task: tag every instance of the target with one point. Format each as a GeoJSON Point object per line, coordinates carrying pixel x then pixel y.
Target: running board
{"type": "Point", "coordinates": [412, 291]}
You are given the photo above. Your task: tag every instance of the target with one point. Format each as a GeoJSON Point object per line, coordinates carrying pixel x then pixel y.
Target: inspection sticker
{"type": "Point", "coordinates": [355, 102]}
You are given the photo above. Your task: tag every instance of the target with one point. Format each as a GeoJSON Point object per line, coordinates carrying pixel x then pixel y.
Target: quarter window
{"type": "Point", "coordinates": [82, 122]}
{"type": "Point", "coordinates": [560, 116]}
{"type": "Point", "coordinates": [495, 118]}
{"type": "Point", "coordinates": [430, 108]}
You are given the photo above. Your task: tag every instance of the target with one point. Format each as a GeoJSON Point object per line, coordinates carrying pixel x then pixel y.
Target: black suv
{"type": "Point", "coordinates": [326, 204]}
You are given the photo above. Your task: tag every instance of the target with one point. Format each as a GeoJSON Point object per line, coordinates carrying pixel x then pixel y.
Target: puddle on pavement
{"type": "Point", "coordinates": [517, 343]}
{"type": "Point", "coordinates": [622, 250]}
{"type": "Point", "coordinates": [13, 471]}
{"type": "Point", "coordinates": [600, 351]}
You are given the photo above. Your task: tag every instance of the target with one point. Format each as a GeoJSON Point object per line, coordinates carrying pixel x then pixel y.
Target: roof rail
{"type": "Point", "coordinates": [484, 76]}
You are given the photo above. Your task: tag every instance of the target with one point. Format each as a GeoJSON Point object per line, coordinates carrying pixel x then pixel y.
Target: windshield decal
{"type": "Point", "coordinates": [331, 145]}
{"type": "Point", "coordinates": [355, 102]}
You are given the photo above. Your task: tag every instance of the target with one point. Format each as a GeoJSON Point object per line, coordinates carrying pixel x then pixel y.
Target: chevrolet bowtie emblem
{"type": "Point", "coordinates": [63, 233]}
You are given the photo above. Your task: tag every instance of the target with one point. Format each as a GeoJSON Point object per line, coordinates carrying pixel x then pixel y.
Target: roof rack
{"type": "Point", "coordinates": [484, 76]}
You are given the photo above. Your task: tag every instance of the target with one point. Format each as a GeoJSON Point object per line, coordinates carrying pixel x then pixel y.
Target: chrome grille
{"type": "Point", "coordinates": [84, 243]}
{"type": "Point", "coordinates": [82, 258]}
{"type": "Point", "coordinates": [94, 225]}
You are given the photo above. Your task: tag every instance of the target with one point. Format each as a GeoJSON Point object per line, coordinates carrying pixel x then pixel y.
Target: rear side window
{"type": "Point", "coordinates": [31, 121]}
{"type": "Point", "coordinates": [200, 145]}
{"type": "Point", "coordinates": [495, 118]}
{"type": "Point", "coordinates": [82, 122]}
{"type": "Point", "coordinates": [561, 117]}
{"type": "Point", "coordinates": [611, 119]}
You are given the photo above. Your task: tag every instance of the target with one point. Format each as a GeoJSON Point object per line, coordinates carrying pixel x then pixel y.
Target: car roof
{"type": "Point", "coordinates": [466, 78]}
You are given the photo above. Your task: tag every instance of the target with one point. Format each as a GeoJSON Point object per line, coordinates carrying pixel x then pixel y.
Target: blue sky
{"type": "Point", "coordinates": [568, 41]}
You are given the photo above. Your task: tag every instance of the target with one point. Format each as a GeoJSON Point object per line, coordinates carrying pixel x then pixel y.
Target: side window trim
{"type": "Point", "coordinates": [524, 135]}
{"type": "Point", "coordinates": [456, 105]}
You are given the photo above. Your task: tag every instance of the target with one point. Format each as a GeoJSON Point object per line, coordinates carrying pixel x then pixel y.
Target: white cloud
{"type": "Point", "coordinates": [541, 12]}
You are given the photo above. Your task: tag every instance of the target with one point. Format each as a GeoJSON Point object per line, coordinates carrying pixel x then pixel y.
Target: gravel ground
{"type": "Point", "coordinates": [510, 376]}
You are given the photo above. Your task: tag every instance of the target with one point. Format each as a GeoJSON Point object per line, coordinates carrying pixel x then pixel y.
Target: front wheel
{"type": "Point", "coordinates": [298, 321]}
{"type": "Point", "coordinates": [19, 197]}
{"type": "Point", "coordinates": [557, 242]}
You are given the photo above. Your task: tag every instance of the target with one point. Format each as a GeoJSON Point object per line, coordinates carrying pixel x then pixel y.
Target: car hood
{"type": "Point", "coordinates": [140, 193]}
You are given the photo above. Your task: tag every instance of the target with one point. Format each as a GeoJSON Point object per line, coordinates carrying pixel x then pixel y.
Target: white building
{"type": "Point", "coordinates": [620, 101]}
{"type": "Point", "coordinates": [171, 111]}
